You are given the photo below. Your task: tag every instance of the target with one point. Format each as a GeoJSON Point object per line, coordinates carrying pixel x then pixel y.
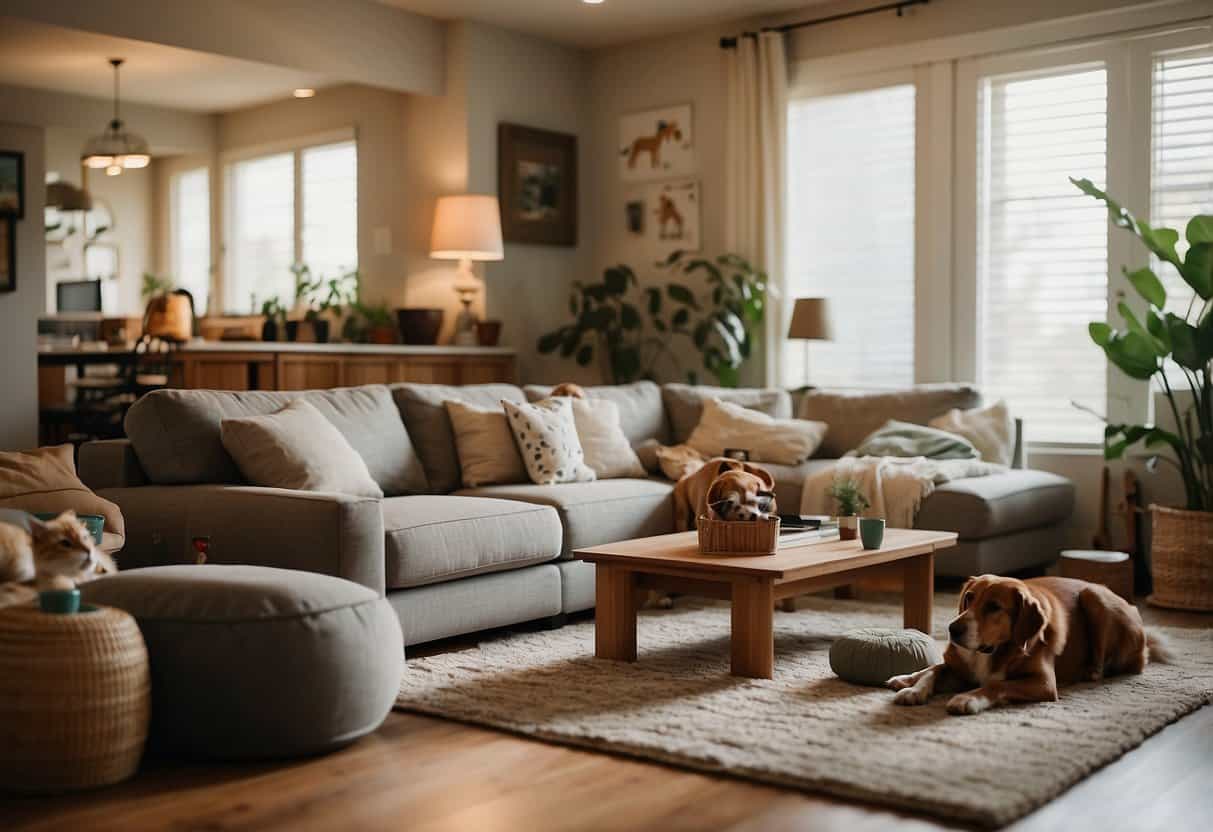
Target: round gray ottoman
{"type": "Point", "coordinates": [252, 662]}
{"type": "Point", "coordinates": [871, 656]}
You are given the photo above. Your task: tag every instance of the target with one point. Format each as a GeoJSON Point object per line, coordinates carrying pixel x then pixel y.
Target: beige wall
{"type": "Point", "coordinates": [19, 310]}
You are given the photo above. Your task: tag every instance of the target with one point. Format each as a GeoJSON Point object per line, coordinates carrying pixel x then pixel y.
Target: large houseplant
{"type": "Point", "coordinates": [630, 330]}
{"type": "Point", "coordinates": [1160, 348]}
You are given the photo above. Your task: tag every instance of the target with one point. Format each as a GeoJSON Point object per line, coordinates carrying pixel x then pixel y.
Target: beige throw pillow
{"type": "Point", "coordinates": [990, 429]}
{"type": "Point", "coordinates": [45, 480]}
{"type": "Point", "coordinates": [297, 448]}
{"type": "Point", "coordinates": [782, 441]}
{"type": "Point", "coordinates": [485, 443]}
{"type": "Point", "coordinates": [606, 447]}
{"type": "Point", "coordinates": [546, 435]}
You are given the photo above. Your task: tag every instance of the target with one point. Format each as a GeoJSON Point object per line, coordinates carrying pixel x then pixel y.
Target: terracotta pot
{"type": "Point", "coordinates": [419, 326]}
{"type": "Point", "coordinates": [848, 527]}
{"type": "Point", "coordinates": [170, 317]}
{"type": "Point", "coordinates": [382, 335]}
{"type": "Point", "coordinates": [1181, 559]}
{"type": "Point", "coordinates": [488, 333]}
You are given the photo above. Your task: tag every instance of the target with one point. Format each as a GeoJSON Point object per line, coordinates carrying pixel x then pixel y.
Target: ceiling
{"type": "Point", "coordinates": [68, 60]}
{"type": "Point", "coordinates": [609, 23]}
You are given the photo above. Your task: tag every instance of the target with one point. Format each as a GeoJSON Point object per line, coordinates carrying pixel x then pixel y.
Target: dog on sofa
{"type": "Point", "coordinates": [726, 489]}
{"type": "Point", "coordinates": [1019, 641]}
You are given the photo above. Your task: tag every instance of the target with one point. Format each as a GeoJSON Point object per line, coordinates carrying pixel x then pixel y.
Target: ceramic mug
{"type": "Point", "coordinates": [871, 532]}
{"type": "Point", "coordinates": [59, 601]}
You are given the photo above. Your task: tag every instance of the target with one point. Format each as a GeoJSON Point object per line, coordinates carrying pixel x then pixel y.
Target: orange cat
{"type": "Point", "coordinates": [55, 554]}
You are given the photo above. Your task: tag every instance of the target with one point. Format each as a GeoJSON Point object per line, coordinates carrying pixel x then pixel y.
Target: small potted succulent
{"type": "Point", "coordinates": [275, 319]}
{"type": "Point", "coordinates": [851, 503]}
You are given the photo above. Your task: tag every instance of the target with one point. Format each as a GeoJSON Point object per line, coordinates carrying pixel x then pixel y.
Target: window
{"type": "Point", "coordinates": [851, 233]}
{"type": "Point", "coordinates": [298, 206]}
{"type": "Point", "coordinates": [1042, 247]}
{"type": "Point", "coordinates": [1181, 155]}
{"type": "Point", "coordinates": [190, 245]}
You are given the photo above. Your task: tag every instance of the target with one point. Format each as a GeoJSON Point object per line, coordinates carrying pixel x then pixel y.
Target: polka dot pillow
{"type": "Point", "coordinates": [546, 435]}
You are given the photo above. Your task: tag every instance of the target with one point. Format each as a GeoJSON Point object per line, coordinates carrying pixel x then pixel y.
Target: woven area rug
{"type": "Point", "coordinates": [805, 728]}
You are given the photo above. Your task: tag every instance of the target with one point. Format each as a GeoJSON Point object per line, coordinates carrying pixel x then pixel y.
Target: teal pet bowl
{"type": "Point", "coordinates": [95, 523]}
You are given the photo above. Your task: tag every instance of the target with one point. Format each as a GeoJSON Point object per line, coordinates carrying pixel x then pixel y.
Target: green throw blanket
{"type": "Point", "coordinates": [904, 439]}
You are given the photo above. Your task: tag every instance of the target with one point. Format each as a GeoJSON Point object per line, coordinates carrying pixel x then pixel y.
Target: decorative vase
{"type": "Point", "coordinates": [269, 331]}
{"type": "Point", "coordinates": [75, 698]}
{"type": "Point", "coordinates": [419, 326]}
{"type": "Point", "coordinates": [848, 527]}
{"type": "Point", "coordinates": [1181, 556]}
{"type": "Point", "coordinates": [488, 333]}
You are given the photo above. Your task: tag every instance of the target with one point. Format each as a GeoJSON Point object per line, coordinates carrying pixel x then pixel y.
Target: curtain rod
{"type": "Point", "coordinates": [899, 7]}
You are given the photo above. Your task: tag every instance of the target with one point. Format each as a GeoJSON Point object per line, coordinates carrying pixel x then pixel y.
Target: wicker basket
{"type": "Point", "coordinates": [1181, 555]}
{"type": "Point", "coordinates": [75, 697]}
{"type": "Point", "coordinates": [738, 537]}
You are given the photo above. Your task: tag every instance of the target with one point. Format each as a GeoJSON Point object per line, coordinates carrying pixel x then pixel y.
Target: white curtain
{"type": "Point", "coordinates": [755, 168]}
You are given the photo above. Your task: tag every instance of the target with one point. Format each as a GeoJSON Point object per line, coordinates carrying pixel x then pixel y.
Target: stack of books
{"type": "Point", "coordinates": [795, 529]}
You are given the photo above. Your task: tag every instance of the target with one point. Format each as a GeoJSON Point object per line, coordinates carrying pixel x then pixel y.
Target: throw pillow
{"type": "Point", "coordinates": [546, 434]}
{"type": "Point", "coordinates": [485, 444]}
{"type": "Point", "coordinates": [297, 448]}
{"type": "Point", "coordinates": [45, 480]}
{"type": "Point", "coordinates": [782, 441]}
{"type": "Point", "coordinates": [990, 429]}
{"type": "Point", "coordinates": [903, 439]}
{"type": "Point", "coordinates": [684, 404]}
{"type": "Point", "coordinates": [606, 447]}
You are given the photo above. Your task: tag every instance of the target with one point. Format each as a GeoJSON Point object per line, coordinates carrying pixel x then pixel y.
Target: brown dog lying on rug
{"type": "Point", "coordinates": [745, 493]}
{"type": "Point", "coordinates": [1018, 641]}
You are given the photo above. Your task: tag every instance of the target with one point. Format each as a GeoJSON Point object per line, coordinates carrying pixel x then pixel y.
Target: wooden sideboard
{"type": "Point", "coordinates": [316, 366]}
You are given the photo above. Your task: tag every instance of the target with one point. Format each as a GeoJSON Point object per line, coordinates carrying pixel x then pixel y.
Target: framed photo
{"type": "Point", "coordinates": [12, 184]}
{"type": "Point", "coordinates": [657, 144]}
{"type": "Point", "coordinates": [663, 217]}
{"type": "Point", "coordinates": [537, 185]}
{"type": "Point", "coordinates": [8, 254]}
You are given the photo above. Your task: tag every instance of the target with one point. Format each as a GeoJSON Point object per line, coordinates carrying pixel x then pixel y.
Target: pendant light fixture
{"type": "Point", "coordinates": [116, 148]}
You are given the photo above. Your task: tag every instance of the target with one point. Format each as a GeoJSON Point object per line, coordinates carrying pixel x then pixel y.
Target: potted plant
{"type": "Point", "coordinates": [630, 330]}
{"type": "Point", "coordinates": [369, 323]}
{"type": "Point", "coordinates": [1181, 554]}
{"type": "Point", "coordinates": [851, 503]}
{"type": "Point", "coordinates": [319, 300]}
{"type": "Point", "coordinates": [275, 317]}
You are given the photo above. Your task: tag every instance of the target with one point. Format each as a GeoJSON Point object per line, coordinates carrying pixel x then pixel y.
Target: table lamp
{"type": "Point", "coordinates": [810, 322]}
{"type": "Point", "coordinates": [467, 228]}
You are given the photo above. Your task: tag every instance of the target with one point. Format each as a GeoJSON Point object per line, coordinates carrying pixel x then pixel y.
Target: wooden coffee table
{"type": "Point", "coordinates": [673, 563]}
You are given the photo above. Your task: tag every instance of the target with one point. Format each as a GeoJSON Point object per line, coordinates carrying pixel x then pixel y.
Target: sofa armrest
{"type": "Point", "coordinates": [334, 534]}
{"type": "Point", "coordinates": [110, 463]}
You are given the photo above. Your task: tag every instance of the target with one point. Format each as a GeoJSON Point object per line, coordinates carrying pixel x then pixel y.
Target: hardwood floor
{"type": "Point", "coordinates": [425, 774]}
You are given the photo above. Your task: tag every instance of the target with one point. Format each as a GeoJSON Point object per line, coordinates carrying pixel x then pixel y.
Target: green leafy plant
{"type": "Point", "coordinates": [154, 285]}
{"type": "Point", "coordinates": [848, 496]}
{"type": "Point", "coordinates": [273, 310]}
{"type": "Point", "coordinates": [362, 318]}
{"type": "Point", "coordinates": [321, 294]}
{"type": "Point", "coordinates": [629, 330]}
{"type": "Point", "coordinates": [1166, 341]}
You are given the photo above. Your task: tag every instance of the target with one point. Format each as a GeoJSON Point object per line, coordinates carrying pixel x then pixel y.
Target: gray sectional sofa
{"type": "Point", "coordinates": [454, 560]}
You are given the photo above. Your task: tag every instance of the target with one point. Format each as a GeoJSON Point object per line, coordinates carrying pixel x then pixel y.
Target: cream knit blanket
{"type": "Point", "coordinates": [896, 486]}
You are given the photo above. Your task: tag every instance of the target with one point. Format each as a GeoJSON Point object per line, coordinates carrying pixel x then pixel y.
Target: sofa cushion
{"type": "Point", "coordinates": [424, 413]}
{"type": "Point", "coordinates": [980, 507]}
{"type": "Point", "coordinates": [598, 512]}
{"type": "Point", "coordinates": [431, 538]}
{"type": "Point", "coordinates": [852, 415]}
{"type": "Point", "coordinates": [641, 411]}
{"type": "Point", "coordinates": [44, 480]}
{"type": "Point", "coordinates": [176, 436]}
{"type": "Point", "coordinates": [684, 405]}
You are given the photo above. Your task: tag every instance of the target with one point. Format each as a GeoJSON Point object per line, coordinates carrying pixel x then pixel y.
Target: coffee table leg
{"type": "Point", "coordinates": [753, 640]}
{"type": "Point", "coordinates": [918, 588]}
{"type": "Point", "coordinates": [615, 613]}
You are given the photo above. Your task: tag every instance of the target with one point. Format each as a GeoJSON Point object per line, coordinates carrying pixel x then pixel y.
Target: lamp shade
{"type": "Point", "coordinates": [811, 320]}
{"type": "Point", "coordinates": [467, 227]}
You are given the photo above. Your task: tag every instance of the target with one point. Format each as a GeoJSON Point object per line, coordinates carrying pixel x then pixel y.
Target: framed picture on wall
{"type": "Point", "coordinates": [537, 185]}
{"type": "Point", "coordinates": [8, 254]}
{"type": "Point", "coordinates": [12, 184]}
{"type": "Point", "coordinates": [657, 144]}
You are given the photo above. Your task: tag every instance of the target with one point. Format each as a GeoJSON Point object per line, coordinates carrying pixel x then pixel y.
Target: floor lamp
{"type": "Point", "coordinates": [810, 322]}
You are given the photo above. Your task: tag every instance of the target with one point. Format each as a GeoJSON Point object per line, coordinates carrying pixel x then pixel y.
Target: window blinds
{"type": "Point", "coordinates": [191, 229]}
{"type": "Point", "coordinates": [850, 234]}
{"type": "Point", "coordinates": [1042, 248]}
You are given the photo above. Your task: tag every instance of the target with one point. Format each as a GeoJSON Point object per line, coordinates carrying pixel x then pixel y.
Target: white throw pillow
{"type": "Point", "coordinates": [607, 449]}
{"type": "Point", "coordinates": [990, 429]}
{"type": "Point", "coordinates": [782, 441]}
{"type": "Point", "coordinates": [546, 435]}
{"type": "Point", "coordinates": [296, 448]}
{"type": "Point", "coordinates": [485, 445]}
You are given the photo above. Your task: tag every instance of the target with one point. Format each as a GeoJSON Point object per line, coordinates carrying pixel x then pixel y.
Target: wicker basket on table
{"type": "Point", "coordinates": [1181, 556]}
{"type": "Point", "coordinates": [738, 537]}
{"type": "Point", "coordinates": [75, 696]}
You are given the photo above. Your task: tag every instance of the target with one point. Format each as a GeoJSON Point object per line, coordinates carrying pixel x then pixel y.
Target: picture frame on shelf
{"type": "Point", "coordinates": [12, 184]}
{"type": "Point", "coordinates": [537, 185]}
{"type": "Point", "coordinates": [8, 254]}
